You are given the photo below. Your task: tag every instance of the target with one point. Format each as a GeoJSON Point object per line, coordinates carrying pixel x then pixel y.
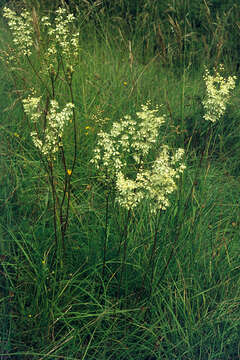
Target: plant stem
{"type": "Point", "coordinates": [54, 203]}
{"type": "Point", "coordinates": [105, 236]}
{"type": "Point", "coordinates": [153, 254]}
{"type": "Point", "coordinates": [37, 75]}
{"type": "Point", "coordinates": [124, 252]}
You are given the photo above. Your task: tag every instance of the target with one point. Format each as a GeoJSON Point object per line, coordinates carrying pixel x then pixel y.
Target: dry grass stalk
{"type": "Point", "coordinates": [160, 42]}
{"type": "Point", "coordinates": [177, 32]}
{"type": "Point", "coordinates": [130, 55]}
{"type": "Point", "coordinates": [36, 27]}
{"type": "Point", "coordinates": [206, 47]}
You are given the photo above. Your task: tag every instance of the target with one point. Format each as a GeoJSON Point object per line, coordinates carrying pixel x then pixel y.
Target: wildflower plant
{"type": "Point", "coordinates": [123, 159]}
{"type": "Point", "coordinates": [61, 37]}
{"type": "Point", "coordinates": [55, 123]}
{"type": "Point", "coordinates": [55, 42]}
{"type": "Point", "coordinates": [218, 92]}
{"type": "Point", "coordinates": [129, 138]}
{"type": "Point", "coordinates": [22, 30]}
{"type": "Point", "coordinates": [154, 184]}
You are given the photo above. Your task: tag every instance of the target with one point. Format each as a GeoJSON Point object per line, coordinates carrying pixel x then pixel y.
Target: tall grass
{"type": "Point", "coordinates": [124, 288]}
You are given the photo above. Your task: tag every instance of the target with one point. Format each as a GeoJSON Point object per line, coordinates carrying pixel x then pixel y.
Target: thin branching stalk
{"type": "Point", "coordinates": [105, 235]}
{"type": "Point", "coordinates": [37, 75]}
{"type": "Point", "coordinates": [52, 84]}
{"type": "Point", "coordinates": [54, 203]}
{"type": "Point", "coordinates": [124, 257]}
{"type": "Point", "coordinates": [152, 260]}
{"type": "Point", "coordinates": [68, 74]}
{"type": "Point", "coordinates": [179, 226]}
{"type": "Point", "coordinates": [67, 188]}
{"type": "Point", "coordinates": [68, 193]}
{"type": "Point", "coordinates": [74, 131]}
{"type": "Point", "coordinates": [168, 106]}
{"type": "Point", "coordinates": [66, 185]}
{"type": "Point", "coordinates": [207, 147]}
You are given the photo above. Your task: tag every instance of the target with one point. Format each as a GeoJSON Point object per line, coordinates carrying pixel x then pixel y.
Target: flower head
{"type": "Point", "coordinates": [62, 34]}
{"type": "Point", "coordinates": [122, 155]}
{"type": "Point", "coordinates": [50, 140]}
{"type": "Point", "coordinates": [217, 94]}
{"type": "Point", "coordinates": [22, 29]}
{"type": "Point", "coordinates": [154, 184]}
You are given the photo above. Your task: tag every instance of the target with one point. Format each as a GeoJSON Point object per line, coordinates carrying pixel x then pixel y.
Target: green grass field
{"type": "Point", "coordinates": [82, 276]}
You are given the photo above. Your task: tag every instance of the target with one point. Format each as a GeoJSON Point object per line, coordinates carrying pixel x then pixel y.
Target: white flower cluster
{"type": "Point", "coordinates": [122, 157]}
{"type": "Point", "coordinates": [146, 132]}
{"type": "Point", "coordinates": [55, 122]}
{"type": "Point", "coordinates": [153, 185]}
{"type": "Point", "coordinates": [218, 93]}
{"type": "Point", "coordinates": [129, 136]}
{"type": "Point", "coordinates": [62, 34]}
{"type": "Point", "coordinates": [22, 29]}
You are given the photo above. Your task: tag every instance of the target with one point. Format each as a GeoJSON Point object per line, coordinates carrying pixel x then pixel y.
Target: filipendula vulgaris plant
{"type": "Point", "coordinates": [218, 93]}
{"type": "Point", "coordinates": [55, 44]}
{"type": "Point", "coordinates": [122, 159]}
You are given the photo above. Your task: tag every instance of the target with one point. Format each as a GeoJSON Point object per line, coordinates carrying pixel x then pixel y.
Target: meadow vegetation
{"type": "Point", "coordinates": [120, 169]}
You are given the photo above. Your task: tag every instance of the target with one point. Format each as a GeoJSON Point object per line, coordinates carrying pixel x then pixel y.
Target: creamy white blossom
{"type": "Point", "coordinates": [122, 156]}
{"type": "Point", "coordinates": [62, 34]}
{"type": "Point", "coordinates": [31, 107]}
{"type": "Point", "coordinates": [154, 184]}
{"type": "Point", "coordinates": [133, 136]}
{"type": "Point", "coordinates": [159, 181]}
{"type": "Point", "coordinates": [129, 194]}
{"type": "Point", "coordinates": [217, 94]}
{"type": "Point", "coordinates": [147, 132]}
{"type": "Point", "coordinates": [49, 140]}
{"type": "Point", "coordinates": [22, 30]}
